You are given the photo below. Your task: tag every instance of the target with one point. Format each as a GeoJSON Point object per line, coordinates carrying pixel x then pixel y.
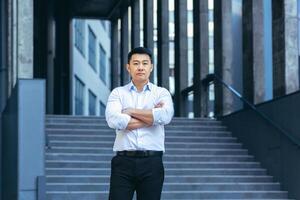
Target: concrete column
{"type": "Point", "coordinates": [62, 75]}
{"type": "Point", "coordinates": [248, 89]}
{"type": "Point", "coordinates": [163, 43]}
{"type": "Point", "coordinates": [20, 40]}
{"type": "Point", "coordinates": [3, 57]}
{"type": "Point", "coordinates": [285, 47]}
{"type": "Point", "coordinates": [124, 47]}
{"type": "Point", "coordinates": [25, 38]}
{"type": "Point", "coordinates": [253, 51]}
{"type": "Point", "coordinates": [135, 23]}
{"type": "Point", "coordinates": [181, 60]}
{"type": "Point", "coordinates": [291, 46]}
{"type": "Point", "coordinates": [200, 12]}
{"type": "Point", "coordinates": [223, 43]}
{"type": "Point", "coordinates": [115, 75]}
{"type": "Point", "coordinates": [148, 27]}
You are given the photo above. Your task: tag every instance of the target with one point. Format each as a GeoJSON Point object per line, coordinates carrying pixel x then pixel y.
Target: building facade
{"type": "Point", "coordinates": [90, 62]}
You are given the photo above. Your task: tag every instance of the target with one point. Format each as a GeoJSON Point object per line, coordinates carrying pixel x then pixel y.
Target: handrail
{"type": "Point", "coordinates": [213, 77]}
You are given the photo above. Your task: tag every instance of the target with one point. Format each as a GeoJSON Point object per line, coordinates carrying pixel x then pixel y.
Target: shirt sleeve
{"type": "Point", "coordinates": [113, 113]}
{"type": "Point", "coordinates": [163, 115]}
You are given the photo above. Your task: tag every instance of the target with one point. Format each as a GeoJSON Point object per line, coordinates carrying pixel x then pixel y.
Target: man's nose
{"type": "Point", "coordinates": [140, 67]}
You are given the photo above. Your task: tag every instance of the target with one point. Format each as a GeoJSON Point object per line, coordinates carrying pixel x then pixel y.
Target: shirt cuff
{"type": "Point", "coordinates": [156, 112]}
{"type": "Point", "coordinates": [125, 120]}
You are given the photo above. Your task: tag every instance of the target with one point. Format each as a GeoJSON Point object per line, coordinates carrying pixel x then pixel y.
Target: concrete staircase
{"type": "Point", "coordinates": [202, 161]}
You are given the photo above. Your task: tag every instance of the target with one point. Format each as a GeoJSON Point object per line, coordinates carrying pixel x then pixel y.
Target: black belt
{"type": "Point", "coordinates": [139, 153]}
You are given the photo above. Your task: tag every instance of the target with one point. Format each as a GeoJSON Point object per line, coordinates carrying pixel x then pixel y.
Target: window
{"type": "Point", "coordinates": [79, 89]}
{"type": "Point", "coordinates": [102, 109]}
{"type": "Point", "coordinates": [102, 64]}
{"type": "Point", "coordinates": [103, 24]}
{"type": "Point", "coordinates": [79, 35]}
{"type": "Point", "coordinates": [92, 49]}
{"type": "Point", "coordinates": [190, 16]}
{"type": "Point", "coordinates": [171, 16]}
{"type": "Point", "coordinates": [92, 103]}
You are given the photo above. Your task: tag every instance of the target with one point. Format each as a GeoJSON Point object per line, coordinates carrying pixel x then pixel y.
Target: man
{"type": "Point", "coordinates": [138, 111]}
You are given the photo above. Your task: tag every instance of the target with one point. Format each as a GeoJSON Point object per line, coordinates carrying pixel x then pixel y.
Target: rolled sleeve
{"type": "Point", "coordinates": [163, 115]}
{"type": "Point", "coordinates": [113, 113]}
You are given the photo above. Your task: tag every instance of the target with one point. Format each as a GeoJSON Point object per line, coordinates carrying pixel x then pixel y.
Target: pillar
{"type": "Point", "coordinates": [124, 47]}
{"type": "Point", "coordinates": [163, 43]}
{"type": "Point", "coordinates": [223, 42]}
{"type": "Point", "coordinates": [135, 23]}
{"type": "Point", "coordinates": [115, 75]}
{"type": "Point", "coordinates": [200, 13]}
{"type": "Point", "coordinates": [181, 60]}
{"type": "Point", "coordinates": [285, 47]}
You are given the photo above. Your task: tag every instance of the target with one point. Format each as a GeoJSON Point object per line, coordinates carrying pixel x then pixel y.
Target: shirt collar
{"type": "Point", "coordinates": [147, 87]}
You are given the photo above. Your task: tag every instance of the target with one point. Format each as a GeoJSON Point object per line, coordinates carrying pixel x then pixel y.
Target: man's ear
{"type": "Point", "coordinates": [128, 68]}
{"type": "Point", "coordinates": [151, 67]}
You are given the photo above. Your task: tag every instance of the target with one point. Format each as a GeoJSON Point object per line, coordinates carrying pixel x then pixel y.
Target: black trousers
{"type": "Point", "coordinates": [145, 175]}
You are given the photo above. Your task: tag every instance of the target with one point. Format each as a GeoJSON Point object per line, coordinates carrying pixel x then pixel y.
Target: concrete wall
{"type": "Point", "coordinates": [274, 150]}
{"type": "Point", "coordinates": [23, 141]}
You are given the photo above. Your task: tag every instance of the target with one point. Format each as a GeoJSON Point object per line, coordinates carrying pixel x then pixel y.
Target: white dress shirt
{"type": "Point", "coordinates": [146, 138]}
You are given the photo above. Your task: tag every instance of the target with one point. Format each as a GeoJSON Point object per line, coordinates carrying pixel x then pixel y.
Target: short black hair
{"type": "Point", "coordinates": [140, 50]}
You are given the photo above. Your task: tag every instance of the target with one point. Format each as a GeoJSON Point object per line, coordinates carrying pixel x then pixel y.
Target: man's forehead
{"type": "Point", "coordinates": [140, 57]}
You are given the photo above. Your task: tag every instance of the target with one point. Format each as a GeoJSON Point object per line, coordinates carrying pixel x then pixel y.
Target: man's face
{"type": "Point", "coordinates": [139, 68]}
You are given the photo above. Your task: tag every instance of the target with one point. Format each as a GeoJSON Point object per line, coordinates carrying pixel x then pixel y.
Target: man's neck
{"type": "Point", "coordinates": [140, 85]}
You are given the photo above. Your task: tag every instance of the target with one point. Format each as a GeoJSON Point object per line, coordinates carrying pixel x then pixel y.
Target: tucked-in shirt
{"type": "Point", "coordinates": [146, 138]}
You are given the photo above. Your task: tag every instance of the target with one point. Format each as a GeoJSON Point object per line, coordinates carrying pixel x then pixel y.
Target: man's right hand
{"type": "Point", "coordinates": [159, 105]}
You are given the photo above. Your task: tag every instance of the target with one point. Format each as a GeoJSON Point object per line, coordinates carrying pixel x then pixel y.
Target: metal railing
{"type": "Point", "coordinates": [213, 78]}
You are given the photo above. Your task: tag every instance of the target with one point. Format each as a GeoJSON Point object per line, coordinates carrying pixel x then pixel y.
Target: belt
{"type": "Point", "coordinates": [139, 153]}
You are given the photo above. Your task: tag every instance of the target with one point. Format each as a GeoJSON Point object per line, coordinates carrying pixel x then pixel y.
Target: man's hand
{"type": "Point", "coordinates": [128, 111]}
{"type": "Point", "coordinates": [159, 105]}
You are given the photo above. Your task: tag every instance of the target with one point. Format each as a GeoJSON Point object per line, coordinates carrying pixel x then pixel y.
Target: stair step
{"type": "Point", "coordinates": [104, 126]}
{"type": "Point", "coordinates": [171, 186]}
{"type": "Point", "coordinates": [79, 138]}
{"type": "Point", "coordinates": [180, 158]}
{"type": "Point", "coordinates": [171, 195]}
{"type": "Point", "coordinates": [169, 165]}
{"type": "Point", "coordinates": [95, 132]}
{"type": "Point", "coordinates": [109, 144]}
{"type": "Point", "coordinates": [170, 151]}
{"type": "Point", "coordinates": [182, 171]}
{"type": "Point", "coordinates": [168, 179]}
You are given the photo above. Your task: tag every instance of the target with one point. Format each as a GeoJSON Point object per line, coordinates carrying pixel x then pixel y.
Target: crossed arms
{"type": "Point", "coordinates": [140, 117]}
{"type": "Point", "coordinates": [130, 118]}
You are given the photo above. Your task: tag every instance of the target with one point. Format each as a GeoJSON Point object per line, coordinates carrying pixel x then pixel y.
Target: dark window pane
{"type": "Point", "coordinates": [92, 103]}
{"type": "Point", "coordinates": [92, 49]}
{"type": "Point", "coordinates": [79, 89]}
{"type": "Point", "coordinates": [102, 64]}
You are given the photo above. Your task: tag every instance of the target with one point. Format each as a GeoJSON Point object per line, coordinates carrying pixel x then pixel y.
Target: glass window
{"type": "Point", "coordinates": [79, 35]}
{"type": "Point", "coordinates": [103, 24]}
{"type": "Point", "coordinates": [102, 109]}
{"type": "Point", "coordinates": [211, 42]}
{"type": "Point", "coordinates": [190, 16]}
{"type": "Point", "coordinates": [102, 64]}
{"type": "Point", "coordinates": [211, 15]}
{"type": "Point", "coordinates": [171, 16]}
{"type": "Point", "coordinates": [92, 103]}
{"type": "Point", "coordinates": [79, 89]}
{"type": "Point", "coordinates": [92, 49]}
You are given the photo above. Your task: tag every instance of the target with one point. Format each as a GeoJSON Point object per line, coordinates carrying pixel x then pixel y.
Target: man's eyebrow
{"type": "Point", "coordinates": [140, 61]}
